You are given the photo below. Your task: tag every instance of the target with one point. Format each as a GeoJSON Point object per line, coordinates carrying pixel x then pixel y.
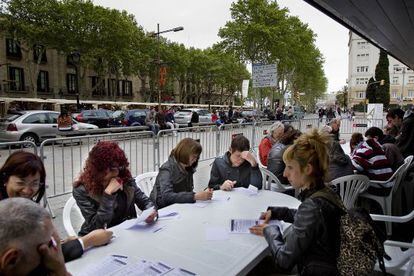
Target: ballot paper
{"type": "Point", "coordinates": [167, 214]}
{"type": "Point", "coordinates": [144, 267]}
{"type": "Point", "coordinates": [107, 266]}
{"type": "Point", "coordinates": [250, 191]}
{"type": "Point", "coordinates": [243, 225]}
{"type": "Point", "coordinates": [139, 220]}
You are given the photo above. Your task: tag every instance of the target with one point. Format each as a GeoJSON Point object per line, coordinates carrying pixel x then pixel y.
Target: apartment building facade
{"type": "Point", "coordinates": [363, 58]}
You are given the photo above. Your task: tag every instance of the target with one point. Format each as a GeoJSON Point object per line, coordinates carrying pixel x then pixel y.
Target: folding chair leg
{"type": "Point", "coordinates": [388, 211]}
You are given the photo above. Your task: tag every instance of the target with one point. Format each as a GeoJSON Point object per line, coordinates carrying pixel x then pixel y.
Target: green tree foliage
{"type": "Point", "coordinates": [260, 31]}
{"type": "Point", "coordinates": [112, 43]}
{"type": "Point", "coordinates": [382, 73]}
{"type": "Point", "coordinates": [371, 91]}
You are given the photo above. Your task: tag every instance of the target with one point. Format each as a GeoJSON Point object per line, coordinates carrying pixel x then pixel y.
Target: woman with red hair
{"type": "Point", "coordinates": [106, 192]}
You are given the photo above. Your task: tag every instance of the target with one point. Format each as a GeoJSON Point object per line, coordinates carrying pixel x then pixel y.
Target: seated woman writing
{"type": "Point", "coordinates": [313, 244]}
{"type": "Point", "coordinates": [105, 192]}
{"type": "Point", "coordinates": [174, 183]}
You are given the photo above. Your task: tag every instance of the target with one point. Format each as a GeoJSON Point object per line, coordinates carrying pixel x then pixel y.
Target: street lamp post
{"type": "Point", "coordinates": [176, 29]}
{"type": "Point", "coordinates": [75, 59]}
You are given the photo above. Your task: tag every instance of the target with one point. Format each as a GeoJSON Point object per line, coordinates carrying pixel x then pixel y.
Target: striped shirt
{"type": "Point", "coordinates": [369, 159]}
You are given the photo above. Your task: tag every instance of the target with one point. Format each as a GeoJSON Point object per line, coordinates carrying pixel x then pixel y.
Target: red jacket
{"type": "Point", "coordinates": [264, 148]}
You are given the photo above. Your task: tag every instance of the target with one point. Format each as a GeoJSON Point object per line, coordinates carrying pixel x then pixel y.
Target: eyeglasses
{"type": "Point", "coordinates": [119, 168]}
{"type": "Point", "coordinates": [34, 185]}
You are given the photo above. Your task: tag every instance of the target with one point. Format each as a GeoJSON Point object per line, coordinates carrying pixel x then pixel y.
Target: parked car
{"type": "Point", "coordinates": [33, 125]}
{"type": "Point", "coordinates": [183, 117]}
{"type": "Point", "coordinates": [135, 117]}
{"type": "Point", "coordinates": [117, 118]}
{"type": "Point", "coordinates": [97, 117]}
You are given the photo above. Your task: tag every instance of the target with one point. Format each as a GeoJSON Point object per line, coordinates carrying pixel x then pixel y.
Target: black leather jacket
{"type": "Point", "coordinates": [313, 242]}
{"type": "Point", "coordinates": [98, 211]}
{"type": "Point", "coordinates": [244, 174]}
{"type": "Point", "coordinates": [174, 184]}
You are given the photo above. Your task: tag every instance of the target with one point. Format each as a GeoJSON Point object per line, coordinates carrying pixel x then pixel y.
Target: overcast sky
{"type": "Point", "coordinates": [202, 19]}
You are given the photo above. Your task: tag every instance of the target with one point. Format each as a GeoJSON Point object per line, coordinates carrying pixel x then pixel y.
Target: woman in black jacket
{"type": "Point", "coordinates": [174, 183]}
{"type": "Point", "coordinates": [105, 192]}
{"type": "Point", "coordinates": [313, 243]}
{"type": "Point", "coordinates": [23, 175]}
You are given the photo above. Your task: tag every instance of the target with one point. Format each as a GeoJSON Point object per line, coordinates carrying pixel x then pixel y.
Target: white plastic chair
{"type": "Point", "coordinates": [401, 261]}
{"type": "Point", "coordinates": [350, 186]}
{"type": "Point", "coordinates": [67, 210]}
{"type": "Point", "coordinates": [259, 162]}
{"type": "Point", "coordinates": [271, 182]}
{"type": "Point", "coordinates": [146, 182]}
{"type": "Point", "coordinates": [386, 201]}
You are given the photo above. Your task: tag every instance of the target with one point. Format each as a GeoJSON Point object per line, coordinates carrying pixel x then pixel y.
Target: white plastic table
{"type": "Point", "coordinates": [182, 242]}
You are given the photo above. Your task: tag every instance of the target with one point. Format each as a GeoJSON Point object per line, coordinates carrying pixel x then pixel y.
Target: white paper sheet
{"type": "Point", "coordinates": [139, 220]}
{"type": "Point", "coordinates": [144, 267]}
{"type": "Point", "coordinates": [201, 204]}
{"type": "Point", "coordinates": [216, 233]}
{"type": "Point", "coordinates": [109, 265]}
{"type": "Point", "coordinates": [167, 214]}
{"type": "Point", "coordinates": [180, 272]}
{"type": "Point", "coordinates": [221, 197]}
{"type": "Point", "coordinates": [242, 225]}
{"type": "Point", "coordinates": [251, 190]}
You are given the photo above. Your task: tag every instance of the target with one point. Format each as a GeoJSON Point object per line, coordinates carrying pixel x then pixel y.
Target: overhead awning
{"type": "Point", "coordinates": [388, 24]}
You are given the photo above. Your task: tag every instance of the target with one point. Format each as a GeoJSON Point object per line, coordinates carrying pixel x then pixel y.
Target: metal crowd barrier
{"type": "Point", "coordinates": [64, 157]}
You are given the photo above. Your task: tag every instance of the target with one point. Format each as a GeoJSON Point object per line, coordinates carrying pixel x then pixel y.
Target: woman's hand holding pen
{"type": "Point", "coordinates": [204, 195]}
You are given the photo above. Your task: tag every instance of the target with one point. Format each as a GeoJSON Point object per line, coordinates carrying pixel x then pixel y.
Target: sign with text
{"type": "Point", "coordinates": [264, 75]}
{"type": "Point", "coordinates": [245, 88]}
{"type": "Point", "coordinates": [375, 111]}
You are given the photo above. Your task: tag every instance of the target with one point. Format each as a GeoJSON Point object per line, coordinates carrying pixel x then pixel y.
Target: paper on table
{"type": "Point", "coordinates": [144, 268]}
{"type": "Point", "coordinates": [167, 214]}
{"type": "Point", "coordinates": [139, 220]}
{"type": "Point", "coordinates": [251, 190]}
{"type": "Point", "coordinates": [215, 233]}
{"type": "Point", "coordinates": [109, 265]}
{"type": "Point", "coordinates": [201, 204]}
{"type": "Point", "coordinates": [180, 272]}
{"type": "Point", "coordinates": [221, 197]}
{"type": "Point", "coordinates": [242, 225]}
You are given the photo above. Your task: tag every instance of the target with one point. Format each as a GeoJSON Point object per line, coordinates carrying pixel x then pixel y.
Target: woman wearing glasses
{"type": "Point", "coordinates": [23, 175]}
{"type": "Point", "coordinates": [105, 191]}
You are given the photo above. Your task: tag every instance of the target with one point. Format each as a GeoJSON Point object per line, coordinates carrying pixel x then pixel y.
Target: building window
{"type": "Point", "coordinates": [127, 88]}
{"type": "Point", "coordinates": [395, 80]}
{"type": "Point", "coordinates": [360, 95]}
{"type": "Point", "coordinates": [112, 87]}
{"type": "Point", "coordinates": [410, 79]}
{"type": "Point", "coordinates": [98, 86]}
{"type": "Point", "coordinates": [394, 94]}
{"type": "Point", "coordinates": [71, 83]}
{"type": "Point", "coordinates": [16, 76]}
{"type": "Point", "coordinates": [43, 81]}
{"type": "Point", "coordinates": [362, 69]}
{"type": "Point", "coordinates": [13, 49]}
{"type": "Point", "coordinates": [37, 49]}
{"type": "Point", "coordinates": [410, 94]}
{"type": "Point", "coordinates": [362, 81]}
{"type": "Point", "coordinates": [362, 57]}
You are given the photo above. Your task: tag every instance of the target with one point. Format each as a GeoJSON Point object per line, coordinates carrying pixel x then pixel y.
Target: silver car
{"type": "Point", "coordinates": [183, 117]}
{"type": "Point", "coordinates": [33, 125]}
